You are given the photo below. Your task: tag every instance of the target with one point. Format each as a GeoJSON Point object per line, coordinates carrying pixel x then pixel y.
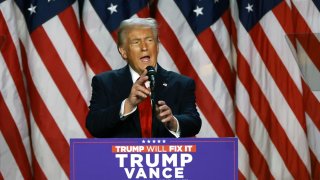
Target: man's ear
{"type": "Point", "coordinates": [123, 52]}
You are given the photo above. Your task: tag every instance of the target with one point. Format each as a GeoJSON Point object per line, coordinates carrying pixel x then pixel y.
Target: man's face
{"type": "Point", "coordinates": [140, 48]}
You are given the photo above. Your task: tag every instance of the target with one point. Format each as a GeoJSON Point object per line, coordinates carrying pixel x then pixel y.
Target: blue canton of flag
{"type": "Point", "coordinates": [112, 12]}
{"type": "Point", "coordinates": [38, 12]}
{"type": "Point", "coordinates": [251, 11]}
{"type": "Point", "coordinates": [202, 14]}
{"type": "Point", "coordinates": [100, 21]}
{"type": "Point", "coordinates": [317, 3]}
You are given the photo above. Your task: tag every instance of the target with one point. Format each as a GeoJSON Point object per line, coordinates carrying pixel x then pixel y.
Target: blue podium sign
{"type": "Point", "coordinates": [163, 158]}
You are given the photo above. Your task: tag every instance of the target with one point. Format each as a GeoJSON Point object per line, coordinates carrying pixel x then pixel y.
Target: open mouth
{"type": "Point", "coordinates": [145, 59]}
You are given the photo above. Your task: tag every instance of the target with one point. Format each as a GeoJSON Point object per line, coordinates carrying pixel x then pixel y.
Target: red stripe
{"type": "Point", "coordinates": [9, 53]}
{"type": "Point", "coordinates": [227, 20]}
{"type": "Point", "coordinates": [278, 70]}
{"type": "Point", "coordinates": [279, 73]}
{"type": "Point", "coordinates": [1, 177]}
{"type": "Point", "coordinates": [243, 132]}
{"type": "Point", "coordinates": [315, 166]}
{"type": "Point", "coordinates": [311, 45]}
{"type": "Point", "coordinates": [45, 121]}
{"type": "Point", "coordinates": [209, 43]}
{"type": "Point", "coordinates": [37, 171]}
{"type": "Point", "coordinates": [258, 163]}
{"type": "Point", "coordinates": [12, 136]}
{"type": "Point", "coordinates": [206, 103]}
{"type": "Point", "coordinates": [145, 12]}
{"type": "Point", "coordinates": [69, 20]}
{"type": "Point", "coordinates": [306, 37]}
{"type": "Point", "coordinates": [311, 104]}
{"type": "Point", "coordinates": [93, 56]}
{"type": "Point", "coordinates": [266, 115]}
{"type": "Point", "coordinates": [114, 36]}
{"type": "Point", "coordinates": [241, 176]}
{"type": "Point", "coordinates": [61, 76]}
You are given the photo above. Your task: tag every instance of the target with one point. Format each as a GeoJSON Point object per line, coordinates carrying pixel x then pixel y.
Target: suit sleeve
{"type": "Point", "coordinates": [103, 117]}
{"type": "Point", "coordinates": [188, 117]}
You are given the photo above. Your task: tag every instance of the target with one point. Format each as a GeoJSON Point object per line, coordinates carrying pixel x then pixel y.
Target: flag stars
{"type": "Point", "coordinates": [216, 1]}
{"type": "Point", "coordinates": [32, 9]}
{"type": "Point", "coordinates": [50, 0]}
{"type": "Point", "coordinates": [112, 8]}
{"type": "Point", "coordinates": [198, 11]}
{"type": "Point", "coordinates": [249, 7]}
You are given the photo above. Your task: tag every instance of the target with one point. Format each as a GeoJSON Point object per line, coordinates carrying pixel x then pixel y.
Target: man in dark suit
{"type": "Point", "coordinates": [118, 94]}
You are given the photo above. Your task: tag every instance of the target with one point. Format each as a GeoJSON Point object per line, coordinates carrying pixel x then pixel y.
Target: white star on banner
{"type": "Point", "coordinates": [198, 11]}
{"type": "Point", "coordinates": [50, 0]}
{"type": "Point", "coordinates": [32, 9]}
{"type": "Point", "coordinates": [112, 8]}
{"type": "Point", "coordinates": [216, 1]}
{"type": "Point", "coordinates": [249, 7]}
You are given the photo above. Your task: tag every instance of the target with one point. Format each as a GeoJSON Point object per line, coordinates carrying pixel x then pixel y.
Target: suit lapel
{"type": "Point", "coordinates": [125, 85]}
{"type": "Point", "coordinates": [161, 91]}
{"type": "Point", "coordinates": [161, 84]}
{"type": "Point", "coordinates": [124, 82]}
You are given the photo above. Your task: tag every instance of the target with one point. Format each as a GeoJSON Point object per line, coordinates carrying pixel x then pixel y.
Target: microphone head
{"type": "Point", "coordinates": [151, 71]}
{"type": "Point", "coordinates": [151, 74]}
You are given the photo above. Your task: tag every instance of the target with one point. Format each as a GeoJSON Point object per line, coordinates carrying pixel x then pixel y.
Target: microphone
{"type": "Point", "coordinates": [151, 74]}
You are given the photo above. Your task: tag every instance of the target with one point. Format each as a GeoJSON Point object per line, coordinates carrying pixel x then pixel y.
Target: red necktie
{"type": "Point", "coordinates": [145, 114]}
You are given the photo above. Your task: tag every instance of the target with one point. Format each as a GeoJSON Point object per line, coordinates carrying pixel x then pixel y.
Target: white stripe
{"type": "Point", "coordinates": [52, 97]}
{"type": "Point", "coordinates": [48, 90]}
{"type": "Point", "coordinates": [206, 129]}
{"type": "Point", "coordinates": [288, 2]}
{"type": "Point", "coordinates": [44, 155]}
{"type": "Point", "coordinates": [244, 162]}
{"type": "Point", "coordinates": [310, 13]}
{"type": "Point", "coordinates": [14, 104]}
{"type": "Point", "coordinates": [221, 33]}
{"type": "Point", "coordinates": [75, 7]}
{"type": "Point", "coordinates": [167, 63]}
{"type": "Point", "coordinates": [8, 166]}
{"type": "Point", "coordinates": [6, 8]}
{"type": "Point", "coordinates": [101, 37]}
{"type": "Point", "coordinates": [260, 135]}
{"type": "Point", "coordinates": [313, 137]}
{"type": "Point", "coordinates": [281, 46]}
{"type": "Point", "coordinates": [165, 60]}
{"type": "Point", "coordinates": [276, 100]}
{"type": "Point", "coordinates": [198, 58]}
{"type": "Point", "coordinates": [309, 71]}
{"type": "Point", "coordinates": [68, 54]}
{"type": "Point", "coordinates": [317, 94]}
{"type": "Point", "coordinates": [294, 130]}
{"type": "Point", "coordinates": [90, 74]}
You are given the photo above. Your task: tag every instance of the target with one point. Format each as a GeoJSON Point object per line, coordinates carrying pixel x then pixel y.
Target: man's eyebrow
{"type": "Point", "coordinates": [134, 39]}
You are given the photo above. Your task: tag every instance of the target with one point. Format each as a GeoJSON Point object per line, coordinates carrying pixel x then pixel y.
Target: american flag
{"type": "Point", "coordinates": [243, 55]}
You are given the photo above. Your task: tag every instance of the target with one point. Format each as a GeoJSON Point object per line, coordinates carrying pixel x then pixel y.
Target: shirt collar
{"type": "Point", "coordinates": [135, 75]}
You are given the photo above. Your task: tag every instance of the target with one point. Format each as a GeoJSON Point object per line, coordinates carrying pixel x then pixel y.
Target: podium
{"type": "Point", "coordinates": [154, 158]}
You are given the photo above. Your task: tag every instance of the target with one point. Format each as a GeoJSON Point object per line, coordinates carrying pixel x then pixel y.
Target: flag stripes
{"type": "Point", "coordinates": [174, 42]}
{"type": "Point", "coordinates": [11, 170]}
{"type": "Point", "coordinates": [244, 56]}
{"type": "Point", "coordinates": [14, 142]}
{"type": "Point", "coordinates": [48, 130]}
{"type": "Point", "coordinates": [15, 145]}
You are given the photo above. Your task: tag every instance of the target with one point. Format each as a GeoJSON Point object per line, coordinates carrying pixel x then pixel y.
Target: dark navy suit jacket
{"type": "Point", "coordinates": [110, 88]}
